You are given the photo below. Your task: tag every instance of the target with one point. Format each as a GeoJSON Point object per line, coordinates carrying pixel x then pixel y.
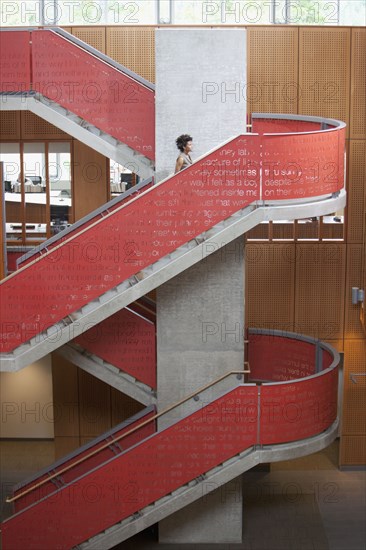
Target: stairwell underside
{"type": "Point", "coordinates": [78, 128]}
{"type": "Point", "coordinates": [207, 483]}
{"type": "Point", "coordinates": [162, 271]}
{"type": "Point", "coordinates": [109, 374]}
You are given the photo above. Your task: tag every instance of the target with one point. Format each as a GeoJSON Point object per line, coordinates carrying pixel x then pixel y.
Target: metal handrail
{"type": "Point", "coordinates": [332, 122]}
{"type": "Point", "coordinates": [302, 338]}
{"type": "Point", "coordinates": [106, 445]}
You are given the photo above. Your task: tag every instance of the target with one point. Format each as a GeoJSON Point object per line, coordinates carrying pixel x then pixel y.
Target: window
{"type": "Point", "coordinates": [182, 12]}
{"type": "Point", "coordinates": [38, 197]}
{"type": "Point", "coordinates": [77, 12]}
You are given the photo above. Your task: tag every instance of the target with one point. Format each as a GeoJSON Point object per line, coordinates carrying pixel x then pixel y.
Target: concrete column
{"type": "Point", "coordinates": [200, 90]}
{"type": "Point", "coordinates": [200, 320]}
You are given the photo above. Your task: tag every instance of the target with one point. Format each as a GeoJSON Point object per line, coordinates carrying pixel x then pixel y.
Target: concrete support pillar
{"type": "Point", "coordinates": [200, 322]}
{"type": "Point", "coordinates": [200, 90]}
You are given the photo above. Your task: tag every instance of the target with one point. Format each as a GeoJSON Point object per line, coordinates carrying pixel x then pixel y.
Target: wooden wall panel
{"type": "Point", "coordinates": [123, 406]}
{"type": "Point", "coordinates": [356, 191]}
{"type": "Point", "coordinates": [353, 327]}
{"type": "Point", "coordinates": [337, 344]}
{"type": "Point", "coordinates": [272, 69]}
{"type": "Point", "coordinates": [270, 285]}
{"type": "Point", "coordinates": [324, 72]}
{"type": "Point", "coordinates": [95, 405]}
{"type": "Point", "coordinates": [65, 445]}
{"type": "Point", "coordinates": [358, 84]}
{"type": "Point", "coordinates": [352, 450]}
{"type": "Point", "coordinates": [133, 47]}
{"type": "Point", "coordinates": [90, 177]}
{"type": "Point", "coordinates": [65, 397]}
{"type": "Point", "coordinates": [319, 294]}
{"type": "Point", "coordinates": [353, 438]}
{"type": "Point", "coordinates": [34, 127]}
{"type": "Point", "coordinates": [10, 125]}
{"type": "Point", "coordinates": [94, 36]}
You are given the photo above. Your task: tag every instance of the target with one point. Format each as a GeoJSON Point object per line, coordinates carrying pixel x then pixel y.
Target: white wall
{"type": "Point", "coordinates": [26, 402]}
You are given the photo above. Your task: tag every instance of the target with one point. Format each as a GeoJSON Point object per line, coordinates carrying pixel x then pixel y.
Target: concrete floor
{"type": "Point", "coordinates": [303, 504]}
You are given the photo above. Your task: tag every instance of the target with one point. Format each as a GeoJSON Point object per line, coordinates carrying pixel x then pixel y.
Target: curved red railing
{"type": "Point", "coordinates": [47, 62]}
{"type": "Point", "coordinates": [158, 221]}
{"type": "Point", "coordinates": [245, 417]}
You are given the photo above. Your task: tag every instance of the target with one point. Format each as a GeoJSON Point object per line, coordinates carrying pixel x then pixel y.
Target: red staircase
{"type": "Point", "coordinates": [179, 211]}
{"type": "Point", "coordinates": [81, 91]}
{"type": "Point", "coordinates": [145, 476]}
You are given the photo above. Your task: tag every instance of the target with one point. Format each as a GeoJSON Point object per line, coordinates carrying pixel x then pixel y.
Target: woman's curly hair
{"type": "Point", "coordinates": [182, 141]}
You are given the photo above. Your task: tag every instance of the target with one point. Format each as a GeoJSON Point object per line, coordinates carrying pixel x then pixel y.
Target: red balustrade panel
{"type": "Point", "coordinates": [297, 410]}
{"type": "Point", "coordinates": [81, 468]}
{"type": "Point", "coordinates": [341, 156]}
{"type": "Point", "coordinates": [276, 358]}
{"type": "Point", "coordinates": [108, 209]}
{"type": "Point", "coordinates": [127, 341]}
{"type": "Point", "coordinates": [94, 90]}
{"type": "Point", "coordinates": [145, 473]}
{"type": "Point", "coordinates": [327, 359]}
{"type": "Point", "coordinates": [299, 166]}
{"type": "Point", "coordinates": [282, 126]}
{"type": "Point", "coordinates": [15, 66]}
{"type": "Point", "coordinates": [133, 237]}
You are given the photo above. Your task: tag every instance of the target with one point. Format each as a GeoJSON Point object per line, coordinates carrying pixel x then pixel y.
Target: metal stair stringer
{"type": "Point", "coordinates": [215, 478]}
{"type": "Point", "coordinates": [108, 373]}
{"type": "Point", "coordinates": [160, 272]}
{"type": "Point", "coordinates": [77, 127]}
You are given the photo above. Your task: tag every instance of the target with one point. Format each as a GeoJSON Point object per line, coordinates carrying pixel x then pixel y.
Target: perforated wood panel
{"type": "Point", "coordinates": [95, 405]}
{"type": "Point", "coordinates": [354, 397]}
{"type": "Point", "coordinates": [89, 177]}
{"type": "Point", "coordinates": [356, 191]}
{"type": "Point", "coordinates": [10, 125]}
{"type": "Point", "coordinates": [123, 406]}
{"type": "Point", "coordinates": [94, 36]}
{"type": "Point", "coordinates": [270, 285]}
{"type": "Point", "coordinates": [337, 344]}
{"type": "Point", "coordinates": [34, 127]}
{"type": "Point", "coordinates": [260, 232]}
{"type": "Point", "coordinates": [358, 84]}
{"type": "Point", "coordinates": [353, 327]}
{"type": "Point", "coordinates": [133, 47]}
{"type": "Point", "coordinates": [324, 72]}
{"type": "Point", "coordinates": [353, 450]}
{"type": "Point", "coordinates": [319, 295]}
{"type": "Point", "coordinates": [65, 445]}
{"type": "Point", "coordinates": [272, 69]}
{"type": "Point", "coordinates": [65, 397]}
